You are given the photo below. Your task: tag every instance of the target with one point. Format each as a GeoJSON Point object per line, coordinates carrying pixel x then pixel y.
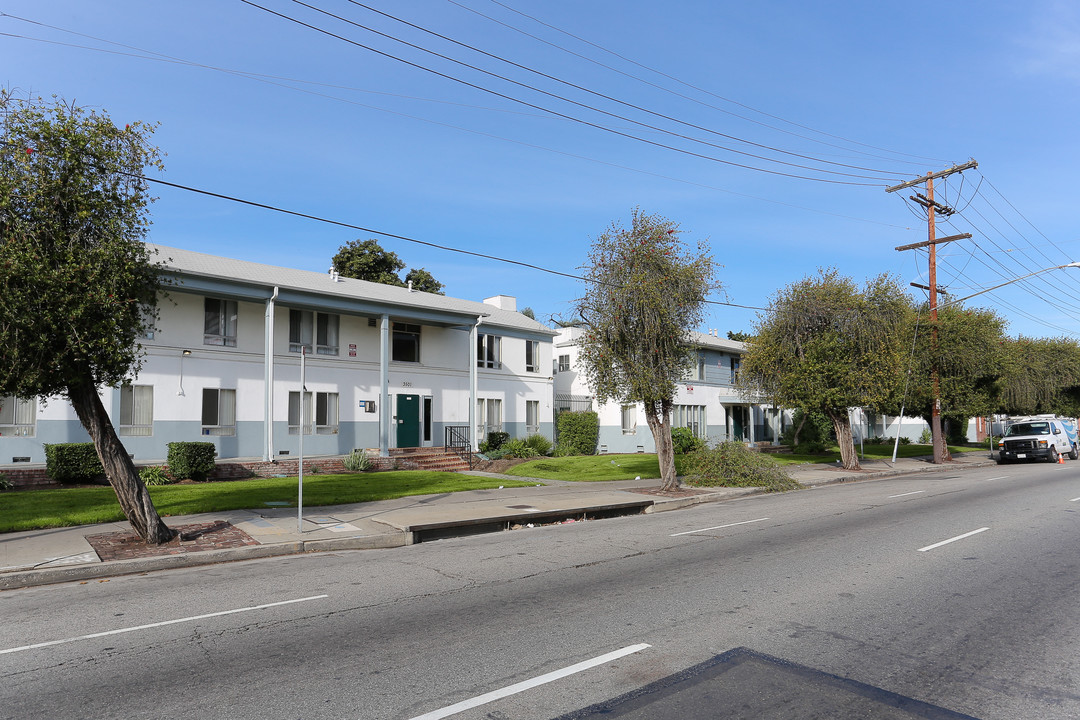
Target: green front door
{"type": "Point", "coordinates": [737, 419]}
{"type": "Point", "coordinates": [408, 421]}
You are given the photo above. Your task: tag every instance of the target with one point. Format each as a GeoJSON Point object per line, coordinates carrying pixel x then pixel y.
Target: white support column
{"type": "Point", "coordinates": [268, 380]}
{"type": "Point", "coordinates": [384, 387]}
{"type": "Point", "coordinates": [474, 332]}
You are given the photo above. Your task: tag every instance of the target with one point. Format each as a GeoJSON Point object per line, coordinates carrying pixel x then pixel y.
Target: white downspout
{"type": "Point", "coordinates": [384, 387]}
{"type": "Point", "coordinates": [473, 383]}
{"type": "Point", "coordinates": [268, 380]}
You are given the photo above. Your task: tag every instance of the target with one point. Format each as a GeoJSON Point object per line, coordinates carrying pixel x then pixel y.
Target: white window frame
{"type": "Point", "coordinates": [629, 419]}
{"type": "Point", "coordinates": [532, 416]}
{"type": "Point", "coordinates": [225, 317]}
{"type": "Point", "coordinates": [18, 417]}
{"type": "Point", "coordinates": [402, 331]}
{"type": "Point", "coordinates": [532, 356]}
{"type": "Point", "coordinates": [488, 351]}
{"type": "Point", "coordinates": [564, 363]}
{"type": "Point", "coordinates": [325, 420]}
{"type": "Point", "coordinates": [690, 416]}
{"type": "Point", "coordinates": [221, 422]}
{"type": "Point", "coordinates": [323, 328]}
{"type": "Point", "coordinates": [489, 417]}
{"type": "Point", "coordinates": [136, 410]}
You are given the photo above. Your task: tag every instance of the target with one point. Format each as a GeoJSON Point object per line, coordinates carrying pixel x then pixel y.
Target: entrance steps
{"type": "Point", "coordinates": [428, 458]}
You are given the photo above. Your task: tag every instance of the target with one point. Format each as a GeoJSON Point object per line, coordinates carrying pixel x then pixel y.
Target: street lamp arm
{"type": "Point", "coordinates": [1008, 282]}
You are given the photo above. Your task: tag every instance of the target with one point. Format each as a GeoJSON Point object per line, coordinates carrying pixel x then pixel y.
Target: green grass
{"type": "Point", "coordinates": [599, 468]}
{"type": "Point", "coordinates": [35, 509]}
{"type": "Point", "coordinates": [871, 452]}
{"type": "Point", "coordinates": [592, 468]}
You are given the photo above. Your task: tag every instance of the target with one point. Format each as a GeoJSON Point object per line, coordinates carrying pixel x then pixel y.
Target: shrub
{"type": "Point", "coordinates": [194, 460]}
{"type": "Point", "coordinates": [540, 444]}
{"type": "Point", "coordinates": [73, 463]}
{"type": "Point", "coordinates": [155, 475]}
{"type": "Point", "coordinates": [810, 448]}
{"type": "Point", "coordinates": [926, 437]}
{"type": "Point", "coordinates": [516, 448]}
{"type": "Point", "coordinates": [733, 464]}
{"type": "Point", "coordinates": [905, 440]}
{"type": "Point", "coordinates": [684, 441]}
{"type": "Point", "coordinates": [356, 461]}
{"type": "Point", "coordinates": [5, 484]}
{"type": "Point", "coordinates": [815, 427]}
{"type": "Point", "coordinates": [578, 433]}
{"type": "Point", "coordinates": [496, 439]}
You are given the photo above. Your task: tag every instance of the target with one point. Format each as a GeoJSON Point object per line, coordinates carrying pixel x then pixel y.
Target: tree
{"type": "Point", "coordinates": [738, 336]}
{"type": "Point", "coordinates": [645, 293]}
{"type": "Point", "coordinates": [967, 354]}
{"type": "Point", "coordinates": [1039, 375]}
{"type": "Point", "coordinates": [529, 313]}
{"type": "Point", "coordinates": [422, 281]}
{"type": "Point", "coordinates": [823, 344]}
{"type": "Point", "coordinates": [366, 260]}
{"type": "Point", "coordinates": [77, 284]}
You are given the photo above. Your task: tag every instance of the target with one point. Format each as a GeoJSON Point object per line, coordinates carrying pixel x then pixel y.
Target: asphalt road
{"type": "Point", "coordinates": [837, 602]}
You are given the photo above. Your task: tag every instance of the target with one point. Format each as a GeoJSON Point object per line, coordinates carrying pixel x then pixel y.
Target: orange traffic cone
{"type": "Point", "coordinates": [1061, 459]}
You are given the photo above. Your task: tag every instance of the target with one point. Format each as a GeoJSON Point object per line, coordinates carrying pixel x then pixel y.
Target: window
{"type": "Point", "coordinates": [325, 419]}
{"type": "Point", "coordinates": [218, 412]}
{"type": "Point", "coordinates": [700, 374]}
{"type": "Point", "coordinates": [137, 410]}
{"type": "Point", "coordinates": [690, 416]}
{"type": "Point", "coordinates": [304, 323]}
{"type": "Point", "coordinates": [219, 322]}
{"type": "Point", "coordinates": [488, 417]}
{"type": "Point", "coordinates": [734, 370]}
{"type": "Point", "coordinates": [532, 416]}
{"type": "Point", "coordinates": [629, 419]}
{"type": "Point", "coordinates": [488, 351]}
{"type": "Point", "coordinates": [564, 363]}
{"type": "Point", "coordinates": [532, 356]}
{"type": "Point", "coordinates": [405, 346]}
{"type": "Point", "coordinates": [17, 416]}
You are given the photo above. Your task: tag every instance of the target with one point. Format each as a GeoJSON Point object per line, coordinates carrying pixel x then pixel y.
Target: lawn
{"type": "Point", "coordinates": [598, 468]}
{"type": "Point", "coordinates": [63, 507]}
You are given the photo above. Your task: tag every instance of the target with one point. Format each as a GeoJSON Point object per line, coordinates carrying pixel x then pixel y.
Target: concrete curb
{"type": "Point", "coordinates": [397, 537]}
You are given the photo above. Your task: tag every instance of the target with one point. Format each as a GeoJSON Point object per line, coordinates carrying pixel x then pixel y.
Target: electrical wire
{"type": "Point", "coordinates": [555, 112]}
{"type": "Point", "coordinates": [702, 90]}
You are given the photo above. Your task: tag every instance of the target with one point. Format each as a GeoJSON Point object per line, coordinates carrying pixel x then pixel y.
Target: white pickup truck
{"type": "Point", "coordinates": [1038, 439]}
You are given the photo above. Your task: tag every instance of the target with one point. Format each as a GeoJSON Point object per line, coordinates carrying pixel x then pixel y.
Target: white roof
{"type": "Point", "coordinates": [186, 262]}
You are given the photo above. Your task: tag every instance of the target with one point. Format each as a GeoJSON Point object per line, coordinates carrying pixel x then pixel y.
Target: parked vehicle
{"type": "Point", "coordinates": [1039, 438]}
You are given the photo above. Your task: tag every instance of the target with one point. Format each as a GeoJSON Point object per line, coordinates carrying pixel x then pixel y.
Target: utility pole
{"type": "Point", "coordinates": [933, 209]}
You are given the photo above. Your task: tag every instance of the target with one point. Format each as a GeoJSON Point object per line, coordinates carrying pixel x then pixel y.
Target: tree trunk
{"type": "Point", "coordinates": [129, 488]}
{"type": "Point", "coordinates": [941, 449]}
{"type": "Point", "coordinates": [658, 415]}
{"type": "Point", "coordinates": [842, 425]}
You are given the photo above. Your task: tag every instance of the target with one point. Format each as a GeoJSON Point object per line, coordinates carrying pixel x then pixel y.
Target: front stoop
{"type": "Point", "coordinates": [428, 459]}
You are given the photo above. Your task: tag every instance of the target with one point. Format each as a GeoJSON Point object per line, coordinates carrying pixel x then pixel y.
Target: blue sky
{"type": "Point", "coordinates": [259, 107]}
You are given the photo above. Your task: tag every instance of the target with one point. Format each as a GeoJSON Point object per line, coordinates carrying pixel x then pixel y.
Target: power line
{"type": "Point", "coordinates": [699, 89]}
{"type": "Point", "coordinates": [587, 90]}
{"type": "Point", "coordinates": [555, 112]}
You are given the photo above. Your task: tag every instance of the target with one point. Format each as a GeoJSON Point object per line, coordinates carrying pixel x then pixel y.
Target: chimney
{"type": "Point", "coordinates": [503, 302]}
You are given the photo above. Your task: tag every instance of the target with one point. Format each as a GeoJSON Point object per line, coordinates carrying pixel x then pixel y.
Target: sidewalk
{"type": "Point", "coordinates": [40, 557]}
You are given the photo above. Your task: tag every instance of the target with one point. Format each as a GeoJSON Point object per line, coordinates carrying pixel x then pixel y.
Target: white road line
{"type": "Point", "coordinates": [718, 527]}
{"type": "Point", "coordinates": [1000, 477]}
{"type": "Point", "coordinates": [958, 537]}
{"type": "Point", "coordinates": [528, 684]}
{"type": "Point", "coordinates": [1075, 500]}
{"type": "Point", "coordinates": [913, 492]}
{"type": "Point", "coordinates": [158, 624]}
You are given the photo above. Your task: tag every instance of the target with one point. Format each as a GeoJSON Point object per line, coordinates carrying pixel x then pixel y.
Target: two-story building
{"type": "Point", "coordinates": [707, 401]}
{"type": "Point", "coordinates": [386, 367]}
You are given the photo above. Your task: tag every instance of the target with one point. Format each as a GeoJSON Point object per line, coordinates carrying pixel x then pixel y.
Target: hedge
{"type": "Point", "coordinates": [73, 463]}
{"type": "Point", "coordinates": [578, 433]}
{"type": "Point", "coordinates": [194, 460]}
